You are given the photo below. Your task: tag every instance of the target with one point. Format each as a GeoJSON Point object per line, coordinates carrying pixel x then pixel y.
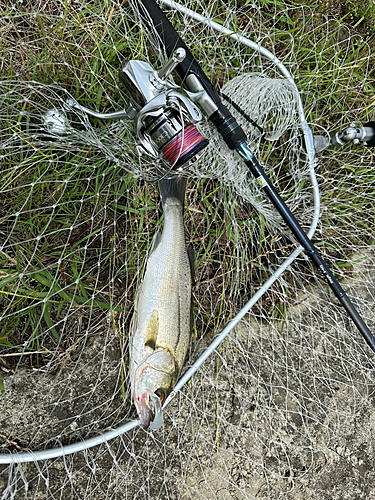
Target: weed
{"type": "Point", "coordinates": [76, 225]}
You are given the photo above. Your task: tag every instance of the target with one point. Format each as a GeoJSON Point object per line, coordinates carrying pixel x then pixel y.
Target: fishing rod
{"type": "Point", "coordinates": [233, 135]}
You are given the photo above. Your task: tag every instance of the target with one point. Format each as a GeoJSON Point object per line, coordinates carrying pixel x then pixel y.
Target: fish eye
{"type": "Point", "coordinates": [161, 394]}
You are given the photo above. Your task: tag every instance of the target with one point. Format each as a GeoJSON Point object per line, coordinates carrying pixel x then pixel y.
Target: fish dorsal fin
{"type": "Point", "coordinates": [152, 330]}
{"type": "Point", "coordinates": [154, 244]}
{"type": "Point", "coordinates": [134, 323]}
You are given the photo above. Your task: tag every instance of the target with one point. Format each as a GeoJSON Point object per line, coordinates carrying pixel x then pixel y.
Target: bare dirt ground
{"type": "Point", "coordinates": [302, 436]}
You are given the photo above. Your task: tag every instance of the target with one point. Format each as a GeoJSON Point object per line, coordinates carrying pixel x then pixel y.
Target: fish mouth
{"type": "Point", "coordinates": [145, 413]}
{"type": "Point", "coordinates": [149, 411]}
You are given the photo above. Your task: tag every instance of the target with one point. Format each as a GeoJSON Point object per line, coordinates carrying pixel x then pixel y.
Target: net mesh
{"type": "Point", "coordinates": [286, 398]}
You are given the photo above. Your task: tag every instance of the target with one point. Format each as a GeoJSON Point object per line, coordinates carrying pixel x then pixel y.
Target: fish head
{"type": "Point", "coordinates": [153, 382]}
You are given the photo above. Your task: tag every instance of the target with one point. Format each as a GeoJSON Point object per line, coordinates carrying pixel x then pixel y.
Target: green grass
{"type": "Point", "coordinates": [67, 208]}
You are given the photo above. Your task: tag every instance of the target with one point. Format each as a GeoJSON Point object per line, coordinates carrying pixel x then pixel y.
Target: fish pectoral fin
{"type": "Point", "coordinates": [152, 330]}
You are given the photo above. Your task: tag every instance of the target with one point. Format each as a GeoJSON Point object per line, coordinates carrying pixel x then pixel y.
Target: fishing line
{"type": "Point", "coordinates": [235, 138]}
{"type": "Point", "coordinates": [243, 113]}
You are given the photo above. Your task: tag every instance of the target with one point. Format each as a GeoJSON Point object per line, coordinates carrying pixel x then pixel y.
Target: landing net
{"type": "Point", "coordinates": [270, 409]}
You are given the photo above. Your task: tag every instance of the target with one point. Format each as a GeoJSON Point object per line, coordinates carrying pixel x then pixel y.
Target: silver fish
{"type": "Point", "coordinates": [161, 325]}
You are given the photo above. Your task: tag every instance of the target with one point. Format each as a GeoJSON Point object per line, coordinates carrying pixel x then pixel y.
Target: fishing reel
{"type": "Point", "coordinates": [163, 113]}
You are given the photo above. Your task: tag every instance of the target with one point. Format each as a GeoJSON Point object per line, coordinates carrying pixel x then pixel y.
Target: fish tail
{"type": "Point", "coordinates": [174, 187]}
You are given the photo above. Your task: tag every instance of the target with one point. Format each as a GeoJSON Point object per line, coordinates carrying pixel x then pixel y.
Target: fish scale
{"type": "Point", "coordinates": [161, 326]}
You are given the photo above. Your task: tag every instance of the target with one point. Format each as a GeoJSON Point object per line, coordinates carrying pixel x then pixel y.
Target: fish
{"type": "Point", "coordinates": [162, 321]}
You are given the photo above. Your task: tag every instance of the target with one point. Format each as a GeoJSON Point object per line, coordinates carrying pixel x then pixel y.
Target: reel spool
{"type": "Point", "coordinates": [180, 143]}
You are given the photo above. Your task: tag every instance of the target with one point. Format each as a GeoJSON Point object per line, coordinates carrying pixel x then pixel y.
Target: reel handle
{"type": "Point", "coordinates": [355, 135]}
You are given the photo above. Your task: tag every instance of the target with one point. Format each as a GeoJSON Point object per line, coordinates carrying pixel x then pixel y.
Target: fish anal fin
{"type": "Point", "coordinates": [152, 330]}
